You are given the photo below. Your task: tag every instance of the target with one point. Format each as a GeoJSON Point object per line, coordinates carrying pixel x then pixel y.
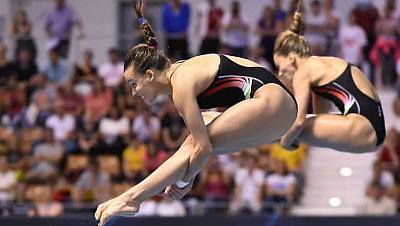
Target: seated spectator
{"type": "Point", "coordinates": [8, 183]}
{"type": "Point", "coordinates": [146, 126]}
{"type": "Point", "coordinates": [24, 67]}
{"type": "Point", "coordinates": [154, 157]}
{"type": "Point", "coordinates": [62, 190]}
{"type": "Point", "coordinates": [37, 112]}
{"type": "Point", "coordinates": [55, 70]}
{"type": "Point", "coordinates": [112, 128]}
{"type": "Point", "coordinates": [293, 159]}
{"type": "Point", "coordinates": [44, 205]}
{"type": "Point", "coordinates": [134, 161]}
{"type": "Point", "coordinates": [389, 155]}
{"type": "Point", "coordinates": [6, 69]}
{"type": "Point", "coordinates": [98, 102]}
{"type": "Point", "coordinates": [13, 101]}
{"type": "Point", "coordinates": [46, 158]}
{"type": "Point", "coordinates": [248, 187]}
{"type": "Point", "coordinates": [170, 208]}
{"type": "Point", "coordinates": [85, 71]}
{"type": "Point", "coordinates": [93, 185]}
{"type": "Point", "coordinates": [73, 102]}
{"type": "Point", "coordinates": [63, 124]}
{"type": "Point", "coordinates": [148, 207]}
{"type": "Point", "coordinates": [88, 137]}
{"type": "Point", "coordinates": [280, 186]}
{"type": "Point", "coordinates": [112, 70]}
{"type": "Point", "coordinates": [381, 175]}
{"type": "Point", "coordinates": [173, 130]}
{"type": "Point", "coordinates": [396, 104]}
{"type": "Point", "coordinates": [214, 183]}
{"type": "Point", "coordinates": [376, 202]}
{"type": "Point", "coordinates": [113, 125]}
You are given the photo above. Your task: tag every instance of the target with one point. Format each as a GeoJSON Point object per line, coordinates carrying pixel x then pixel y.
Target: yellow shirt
{"type": "Point", "coordinates": [293, 159]}
{"type": "Point", "coordinates": [135, 159]}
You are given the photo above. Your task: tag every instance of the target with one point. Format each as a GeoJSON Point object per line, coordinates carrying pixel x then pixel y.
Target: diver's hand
{"type": "Point", "coordinates": [121, 205]}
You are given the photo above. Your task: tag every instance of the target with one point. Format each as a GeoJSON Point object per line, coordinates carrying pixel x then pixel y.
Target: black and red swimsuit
{"type": "Point", "coordinates": [343, 92]}
{"type": "Point", "coordinates": [234, 83]}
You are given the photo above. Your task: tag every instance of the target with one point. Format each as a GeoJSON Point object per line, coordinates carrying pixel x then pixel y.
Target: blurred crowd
{"type": "Point", "coordinates": [72, 136]}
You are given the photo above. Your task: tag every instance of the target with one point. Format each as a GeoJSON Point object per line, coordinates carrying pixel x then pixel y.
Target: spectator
{"type": "Point", "coordinates": [235, 31]}
{"type": "Point", "coordinates": [211, 42]}
{"type": "Point", "coordinates": [316, 22]}
{"type": "Point", "coordinates": [85, 71]}
{"type": "Point", "coordinates": [14, 98]}
{"type": "Point", "coordinates": [8, 183]}
{"type": "Point", "coordinates": [146, 126]}
{"type": "Point", "coordinates": [56, 70]}
{"type": "Point", "coordinates": [389, 155]}
{"type": "Point", "coordinates": [88, 137]}
{"type": "Point", "coordinates": [6, 69]}
{"type": "Point", "coordinates": [280, 14]}
{"type": "Point", "coordinates": [63, 124]}
{"type": "Point", "coordinates": [257, 55]}
{"type": "Point", "coordinates": [248, 187]}
{"type": "Point", "coordinates": [59, 23]}
{"type": "Point", "coordinates": [134, 161]}
{"type": "Point", "coordinates": [376, 203]}
{"type": "Point", "coordinates": [44, 205]}
{"type": "Point", "coordinates": [176, 17]}
{"type": "Point", "coordinates": [148, 208]}
{"type": "Point", "coordinates": [154, 157]}
{"type": "Point", "coordinates": [280, 185]}
{"type": "Point", "coordinates": [93, 184]}
{"type": "Point", "coordinates": [332, 27]}
{"type": "Point", "coordinates": [269, 25]}
{"type": "Point", "coordinates": [173, 130]}
{"type": "Point", "coordinates": [21, 32]}
{"type": "Point", "coordinates": [112, 128]}
{"type": "Point", "coordinates": [98, 102]}
{"type": "Point", "coordinates": [37, 112]}
{"type": "Point", "coordinates": [385, 52]}
{"type": "Point", "coordinates": [396, 106]}
{"type": "Point", "coordinates": [46, 158]}
{"type": "Point", "coordinates": [381, 175]}
{"type": "Point", "coordinates": [170, 208]}
{"type": "Point", "coordinates": [24, 67]}
{"type": "Point", "coordinates": [214, 183]}
{"type": "Point", "coordinates": [112, 70]}
{"type": "Point", "coordinates": [366, 15]}
{"type": "Point", "coordinates": [352, 39]}
{"type": "Point", "coordinates": [73, 102]}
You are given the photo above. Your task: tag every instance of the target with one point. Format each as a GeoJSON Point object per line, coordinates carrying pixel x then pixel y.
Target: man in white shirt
{"type": "Point", "coordinates": [235, 31]}
{"type": "Point", "coordinates": [248, 188]}
{"type": "Point", "coordinates": [112, 70]}
{"type": "Point", "coordinates": [8, 181]}
{"type": "Point", "coordinates": [61, 123]}
{"type": "Point", "coordinates": [352, 39]}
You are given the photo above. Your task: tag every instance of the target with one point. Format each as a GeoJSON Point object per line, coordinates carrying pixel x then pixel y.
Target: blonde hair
{"type": "Point", "coordinates": [292, 40]}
